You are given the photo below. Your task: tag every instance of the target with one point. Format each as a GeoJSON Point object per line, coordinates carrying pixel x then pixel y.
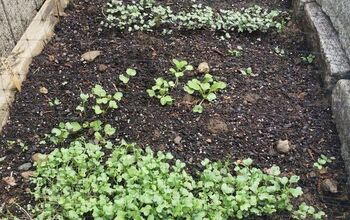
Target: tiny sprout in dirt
{"type": "Point", "coordinates": [126, 76]}
{"type": "Point", "coordinates": [279, 51]}
{"type": "Point", "coordinates": [179, 70]}
{"type": "Point", "coordinates": [309, 59]}
{"type": "Point", "coordinates": [161, 91]}
{"type": "Point", "coordinates": [55, 102]}
{"type": "Point", "coordinates": [247, 71]}
{"type": "Point", "coordinates": [236, 52]}
{"type": "Point", "coordinates": [206, 88]}
{"type": "Point", "coordinates": [83, 100]}
{"type": "Point", "coordinates": [11, 144]}
{"type": "Point", "coordinates": [105, 101]}
{"type": "Point", "coordinates": [322, 161]}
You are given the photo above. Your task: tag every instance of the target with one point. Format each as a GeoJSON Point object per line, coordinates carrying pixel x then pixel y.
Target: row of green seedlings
{"type": "Point", "coordinates": [238, 52]}
{"type": "Point", "coordinates": [131, 183]}
{"type": "Point", "coordinates": [147, 15]}
{"type": "Point", "coordinates": [205, 88]}
{"type": "Point", "coordinates": [140, 184]}
{"type": "Point", "coordinates": [162, 87]}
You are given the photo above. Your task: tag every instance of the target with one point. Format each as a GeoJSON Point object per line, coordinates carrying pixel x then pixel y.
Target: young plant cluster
{"type": "Point", "coordinates": [103, 100]}
{"type": "Point", "coordinates": [96, 129]}
{"type": "Point", "coordinates": [163, 87]}
{"type": "Point", "coordinates": [80, 182]}
{"type": "Point", "coordinates": [147, 15]}
{"type": "Point", "coordinates": [322, 161]}
{"type": "Point", "coordinates": [207, 89]}
{"type": "Point", "coordinates": [309, 59]}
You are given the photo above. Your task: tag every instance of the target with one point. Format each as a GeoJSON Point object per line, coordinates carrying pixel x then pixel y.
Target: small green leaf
{"type": "Point", "coordinates": [166, 100]}
{"type": "Point", "coordinates": [198, 109]}
{"type": "Point", "coordinates": [151, 93]}
{"type": "Point", "coordinates": [123, 78]}
{"type": "Point", "coordinates": [131, 72]}
{"type": "Point", "coordinates": [97, 109]}
{"type": "Point", "coordinates": [99, 91]}
{"type": "Point", "coordinates": [113, 104]}
{"type": "Point", "coordinates": [296, 192]}
{"type": "Point", "coordinates": [84, 97]}
{"type": "Point", "coordinates": [109, 130]}
{"type": "Point", "coordinates": [211, 97]}
{"type": "Point", "coordinates": [247, 162]}
{"type": "Point", "coordinates": [118, 96]}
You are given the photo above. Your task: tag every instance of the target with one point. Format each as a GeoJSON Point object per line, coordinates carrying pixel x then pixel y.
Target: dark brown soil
{"type": "Point", "coordinates": [284, 101]}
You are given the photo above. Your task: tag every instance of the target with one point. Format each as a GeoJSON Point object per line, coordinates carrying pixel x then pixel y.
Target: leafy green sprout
{"type": "Point", "coordinates": [18, 142]}
{"type": "Point", "coordinates": [105, 101]}
{"type": "Point", "coordinates": [83, 100]}
{"type": "Point", "coordinates": [179, 70]}
{"type": "Point", "coordinates": [62, 132]}
{"type": "Point", "coordinates": [161, 91]}
{"type": "Point", "coordinates": [305, 210]}
{"type": "Point", "coordinates": [247, 71]}
{"type": "Point", "coordinates": [236, 52]}
{"type": "Point", "coordinates": [55, 102]}
{"type": "Point", "coordinates": [22, 145]}
{"type": "Point", "coordinates": [309, 59]}
{"type": "Point", "coordinates": [322, 161]}
{"type": "Point", "coordinates": [279, 51]}
{"type": "Point", "coordinates": [207, 89]}
{"type": "Point", "coordinates": [10, 144]}
{"type": "Point", "coordinates": [97, 127]}
{"type": "Point", "coordinates": [126, 76]}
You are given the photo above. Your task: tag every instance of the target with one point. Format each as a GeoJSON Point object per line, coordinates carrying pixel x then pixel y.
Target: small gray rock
{"type": "Point", "coordinates": [25, 167]}
{"type": "Point", "coordinates": [329, 185]}
{"type": "Point", "coordinates": [177, 140]}
{"type": "Point", "coordinates": [283, 146]}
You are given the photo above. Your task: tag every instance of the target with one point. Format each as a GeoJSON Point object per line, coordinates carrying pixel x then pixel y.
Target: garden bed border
{"type": "Point", "coordinates": [32, 42]}
{"type": "Point", "coordinates": [335, 66]}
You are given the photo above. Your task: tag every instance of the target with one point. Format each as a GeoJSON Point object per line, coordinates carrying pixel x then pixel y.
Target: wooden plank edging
{"type": "Point", "coordinates": [16, 66]}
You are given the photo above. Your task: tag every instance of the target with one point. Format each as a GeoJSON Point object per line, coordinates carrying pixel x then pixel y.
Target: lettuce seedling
{"type": "Point", "coordinates": [63, 130]}
{"type": "Point", "coordinates": [309, 59]}
{"type": "Point", "coordinates": [83, 99]}
{"type": "Point", "coordinates": [322, 161]}
{"type": "Point", "coordinates": [206, 88]}
{"type": "Point", "coordinates": [161, 91]}
{"type": "Point", "coordinates": [179, 70]}
{"type": "Point", "coordinates": [126, 76]}
{"type": "Point", "coordinates": [105, 101]}
{"type": "Point", "coordinates": [247, 71]}
{"type": "Point", "coordinates": [236, 52]}
{"type": "Point", "coordinates": [55, 102]}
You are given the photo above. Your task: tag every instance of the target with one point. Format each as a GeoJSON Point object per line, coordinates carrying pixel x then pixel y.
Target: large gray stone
{"type": "Point", "coordinates": [324, 40]}
{"type": "Point", "coordinates": [339, 13]}
{"type": "Point", "coordinates": [341, 112]}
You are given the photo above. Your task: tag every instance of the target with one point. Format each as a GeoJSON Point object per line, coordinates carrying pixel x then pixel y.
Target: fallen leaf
{"type": "Point", "coordinates": [91, 55]}
{"type": "Point", "coordinates": [38, 157]}
{"type": "Point", "coordinates": [27, 174]}
{"type": "Point", "coordinates": [10, 180]}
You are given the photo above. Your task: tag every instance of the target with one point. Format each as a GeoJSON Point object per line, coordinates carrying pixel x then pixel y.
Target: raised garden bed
{"type": "Point", "coordinates": [281, 100]}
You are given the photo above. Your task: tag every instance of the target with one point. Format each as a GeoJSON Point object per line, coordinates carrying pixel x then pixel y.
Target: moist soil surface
{"type": "Point", "coordinates": [284, 101]}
